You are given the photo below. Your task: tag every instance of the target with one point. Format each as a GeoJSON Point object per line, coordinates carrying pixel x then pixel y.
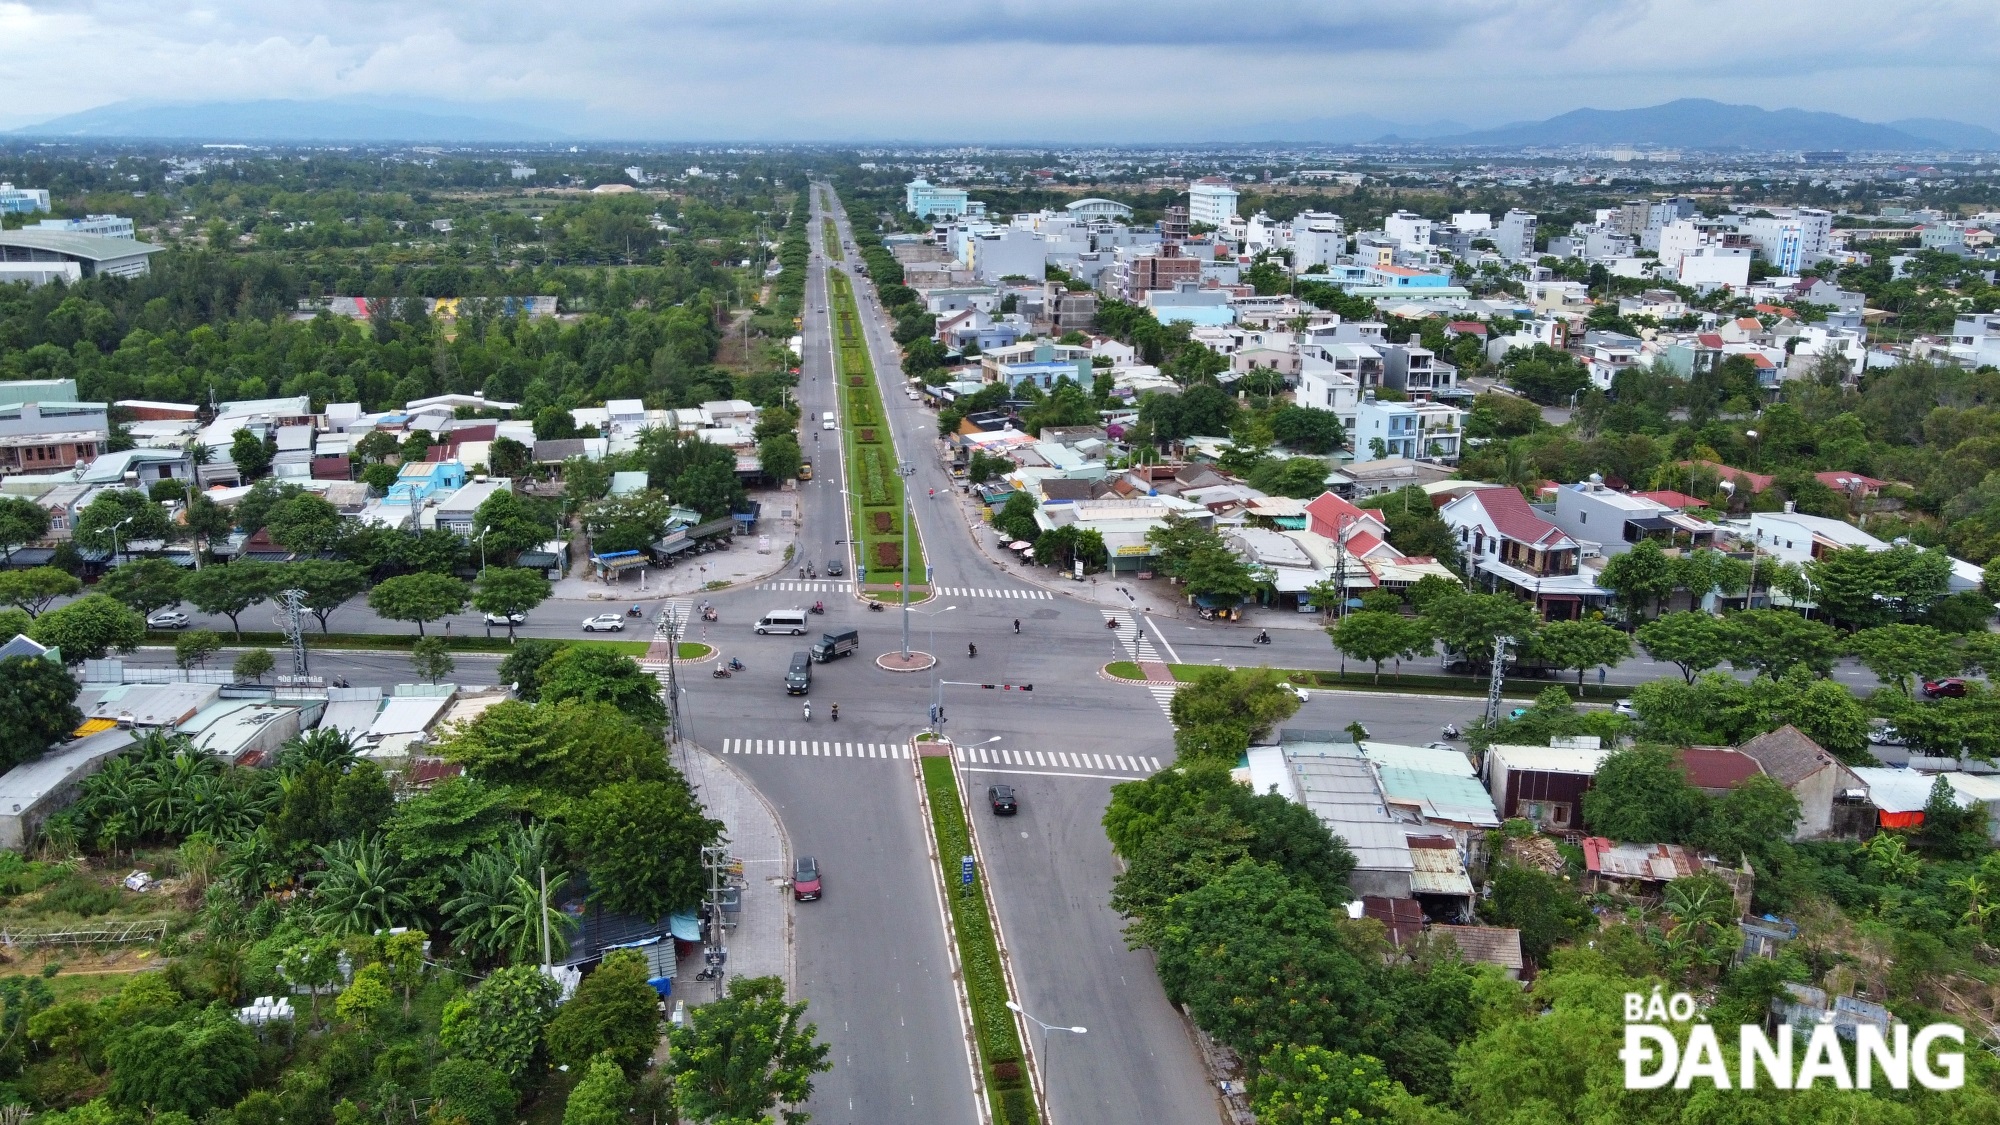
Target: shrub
{"type": "Point", "coordinates": [868, 436]}
{"type": "Point", "coordinates": [1015, 1108]}
{"type": "Point", "coordinates": [888, 554]}
{"type": "Point", "coordinates": [78, 894]}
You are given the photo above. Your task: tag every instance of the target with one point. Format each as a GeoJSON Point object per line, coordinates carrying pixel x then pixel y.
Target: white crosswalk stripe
{"type": "Point", "coordinates": [1058, 760]}
{"type": "Point", "coordinates": [810, 748]}
{"type": "Point", "coordinates": [1139, 646]}
{"type": "Point", "coordinates": [808, 586]}
{"type": "Point", "coordinates": [991, 592]}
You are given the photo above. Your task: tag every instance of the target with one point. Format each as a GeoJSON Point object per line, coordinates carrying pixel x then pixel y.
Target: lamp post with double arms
{"type": "Point", "coordinates": [1044, 1053]}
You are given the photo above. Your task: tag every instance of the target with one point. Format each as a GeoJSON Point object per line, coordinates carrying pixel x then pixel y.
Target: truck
{"type": "Point", "coordinates": [834, 645]}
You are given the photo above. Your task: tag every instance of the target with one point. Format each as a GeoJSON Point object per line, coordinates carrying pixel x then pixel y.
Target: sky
{"type": "Point", "coordinates": [1004, 70]}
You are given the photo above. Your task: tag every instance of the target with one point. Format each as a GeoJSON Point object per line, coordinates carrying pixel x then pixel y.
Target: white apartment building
{"type": "Point", "coordinates": [1411, 231]}
{"type": "Point", "coordinates": [1319, 238]}
{"type": "Point", "coordinates": [1472, 220]}
{"type": "Point", "coordinates": [1211, 201]}
{"type": "Point", "coordinates": [1515, 235]}
{"type": "Point", "coordinates": [1323, 386]}
{"type": "Point", "coordinates": [1790, 240]}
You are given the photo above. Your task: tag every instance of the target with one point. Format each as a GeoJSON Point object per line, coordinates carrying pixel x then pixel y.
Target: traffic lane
{"type": "Point", "coordinates": [360, 669]}
{"type": "Point", "coordinates": [871, 954]}
{"type": "Point", "coordinates": [1411, 720]}
{"type": "Point", "coordinates": [1050, 868]}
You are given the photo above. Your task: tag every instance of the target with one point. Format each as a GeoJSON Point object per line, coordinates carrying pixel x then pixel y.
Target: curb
{"type": "Point", "coordinates": [785, 846]}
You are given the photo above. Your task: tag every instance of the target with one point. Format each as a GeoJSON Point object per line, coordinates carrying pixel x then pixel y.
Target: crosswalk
{"type": "Point", "coordinates": [810, 749]}
{"type": "Point", "coordinates": [1058, 759]}
{"type": "Point", "coordinates": [808, 586]}
{"type": "Point", "coordinates": [1138, 765]}
{"type": "Point", "coordinates": [993, 592]}
{"type": "Point", "coordinates": [1132, 637]}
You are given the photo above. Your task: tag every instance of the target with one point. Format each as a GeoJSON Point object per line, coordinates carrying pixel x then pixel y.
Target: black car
{"type": "Point", "coordinates": [835, 568]}
{"type": "Point", "coordinates": [805, 879]}
{"type": "Point", "coordinates": [1001, 797]}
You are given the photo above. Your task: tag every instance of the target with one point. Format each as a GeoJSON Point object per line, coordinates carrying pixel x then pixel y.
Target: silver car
{"type": "Point", "coordinates": [611, 622]}
{"type": "Point", "coordinates": [167, 619]}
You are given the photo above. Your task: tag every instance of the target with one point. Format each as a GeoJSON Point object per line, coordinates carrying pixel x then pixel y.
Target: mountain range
{"type": "Point", "coordinates": [1700, 123]}
{"type": "Point", "coordinates": [279, 120]}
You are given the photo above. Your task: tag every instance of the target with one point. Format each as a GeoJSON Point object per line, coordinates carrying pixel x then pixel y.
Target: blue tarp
{"type": "Point", "coordinates": [686, 927]}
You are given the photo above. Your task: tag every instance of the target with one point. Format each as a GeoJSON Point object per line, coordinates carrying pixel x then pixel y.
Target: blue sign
{"type": "Point", "coordinates": [860, 572]}
{"type": "Point", "coordinates": [965, 871]}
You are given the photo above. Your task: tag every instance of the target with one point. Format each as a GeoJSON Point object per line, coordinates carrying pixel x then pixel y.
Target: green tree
{"type": "Point", "coordinates": [614, 1013]}
{"type": "Point", "coordinates": [193, 648]}
{"type": "Point", "coordinates": [191, 1067]}
{"type": "Point", "coordinates": [1249, 698]}
{"type": "Point", "coordinates": [205, 521]}
{"type": "Point", "coordinates": [595, 674]}
{"type": "Point", "coordinates": [360, 890]}
{"type": "Point", "coordinates": [504, 526]}
{"type": "Point", "coordinates": [1640, 577]}
{"type": "Point", "coordinates": [1863, 588]}
{"type": "Point", "coordinates": [144, 584]}
{"type": "Point", "coordinates": [601, 1097]}
{"type": "Point", "coordinates": [364, 998]}
{"type": "Point", "coordinates": [1641, 794]}
{"type": "Point", "coordinates": [1140, 809]}
{"type": "Point", "coordinates": [230, 590]}
{"type": "Point", "coordinates": [1898, 654]}
{"type": "Point", "coordinates": [254, 664]}
{"type": "Point", "coordinates": [90, 628]}
{"type": "Point", "coordinates": [1375, 636]}
{"type": "Point", "coordinates": [1546, 910]}
{"type": "Point", "coordinates": [362, 800]}
{"type": "Point", "coordinates": [36, 588]}
{"type": "Point", "coordinates": [37, 708]}
{"type": "Point", "coordinates": [120, 514]}
{"type": "Point", "coordinates": [1176, 539]}
{"type": "Point", "coordinates": [22, 521]}
{"type": "Point", "coordinates": [497, 912]}
{"type": "Point", "coordinates": [1754, 820]}
{"type": "Point", "coordinates": [1694, 641]}
{"type": "Point", "coordinates": [500, 1023]}
{"type": "Point", "coordinates": [508, 458]}
{"type": "Point", "coordinates": [327, 585]}
{"type": "Point", "coordinates": [471, 1090]}
{"type": "Point", "coordinates": [507, 591]}
{"type": "Point", "coordinates": [741, 1056]}
{"type": "Point", "coordinates": [1466, 623]}
{"type": "Point", "coordinates": [250, 454]}
{"type": "Point", "coordinates": [1773, 640]}
{"type": "Point", "coordinates": [1315, 1086]}
{"type": "Point", "coordinates": [1580, 645]}
{"type": "Point", "coordinates": [417, 597]}
{"type": "Point", "coordinates": [1307, 429]}
{"type": "Point", "coordinates": [432, 658]}
{"type": "Point", "coordinates": [305, 523]}
{"type": "Point", "coordinates": [641, 843]}
{"type": "Point", "coordinates": [1216, 572]}
{"type": "Point", "coordinates": [524, 664]}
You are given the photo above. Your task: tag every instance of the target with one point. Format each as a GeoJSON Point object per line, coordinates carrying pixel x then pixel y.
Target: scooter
{"type": "Point", "coordinates": [835, 715]}
{"type": "Point", "coordinates": [1263, 637]}
{"type": "Point", "coordinates": [710, 973]}
{"type": "Point", "coordinates": [818, 607]}
{"type": "Point", "coordinates": [1112, 624]}
{"type": "Point", "coordinates": [875, 607]}
{"type": "Point", "coordinates": [809, 712]}
{"type": "Point", "coordinates": [971, 651]}
{"type": "Point", "coordinates": [1450, 731]}
{"type": "Point", "coordinates": [710, 615]}
{"type": "Point", "coordinates": [735, 665]}
{"type": "Point", "coordinates": [720, 673]}
{"type": "Point", "coordinates": [634, 612]}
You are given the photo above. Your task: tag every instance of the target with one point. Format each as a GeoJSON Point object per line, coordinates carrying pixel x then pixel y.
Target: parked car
{"type": "Point", "coordinates": [167, 619]}
{"type": "Point", "coordinates": [609, 621]}
{"type": "Point", "coordinates": [1624, 707]}
{"type": "Point", "coordinates": [1303, 695]}
{"type": "Point", "coordinates": [835, 568]}
{"type": "Point", "coordinates": [1886, 736]}
{"type": "Point", "coordinates": [805, 879]}
{"type": "Point", "coordinates": [1001, 797]}
{"type": "Point", "coordinates": [504, 619]}
{"type": "Point", "coordinates": [1951, 687]}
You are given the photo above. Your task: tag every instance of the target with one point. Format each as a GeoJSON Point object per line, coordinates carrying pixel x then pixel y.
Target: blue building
{"type": "Point", "coordinates": [922, 199]}
{"type": "Point", "coordinates": [22, 201]}
{"type": "Point", "coordinates": [421, 480]}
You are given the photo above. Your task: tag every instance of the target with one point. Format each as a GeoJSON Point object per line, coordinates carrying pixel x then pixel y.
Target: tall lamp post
{"type": "Point", "coordinates": [906, 470]}
{"type": "Point", "coordinates": [937, 696]}
{"type": "Point", "coordinates": [114, 537]}
{"type": "Point", "coordinates": [1046, 1028]}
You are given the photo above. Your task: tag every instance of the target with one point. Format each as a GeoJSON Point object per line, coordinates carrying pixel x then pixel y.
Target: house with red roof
{"type": "Point", "coordinates": [1340, 520]}
{"type": "Point", "coordinates": [1850, 483]}
{"type": "Point", "coordinates": [1743, 479]}
{"type": "Point", "coordinates": [1508, 545]}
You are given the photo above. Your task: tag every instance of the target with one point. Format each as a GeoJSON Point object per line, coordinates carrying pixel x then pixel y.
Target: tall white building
{"type": "Point", "coordinates": [1318, 238]}
{"type": "Point", "coordinates": [1790, 240]}
{"type": "Point", "coordinates": [1411, 231]}
{"type": "Point", "coordinates": [1472, 220]}
{"type": "Point", "coordinates": [1515, 235]}
{"type": "Point", "coordinates": [1211, 201]}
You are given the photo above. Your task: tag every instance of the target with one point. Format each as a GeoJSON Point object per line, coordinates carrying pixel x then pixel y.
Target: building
{"type": "Point", "coordinates": [1094, 208]}
{"type": "Point", "coordinates": [1612, 521]}
{"type": "Point", "coordinates": [1543, 784]}
{"type": "Point", "coordinates": [22, 201]}
{"type": "Point", "coordinates": [1411, 231]}
{"type": "Point", "coordinates": [109, 226]}
{"type": "Point", "coordinates": [1505, 541]}
{"type": "Point", "coordinates": [33, 791]}
{"type": "Point", "coordinates": [48, 437]}
{"type": "Point", "coordinates": [1606, 353]}
{"type": "Point", "coordinates": [1417, 371]}
{"type": "Point", "coordinates": [1790, 240]}
{"type": "Point", "coordinates": [1211, 202]}
{"type": "Point", "coordinates": [1410, 430]}
{"type": "Point", "coordinates": [455, 512]}
{"type": "Point", "coordinates": [1833, 801]}
{"type": "Point", "coordinates": [1319, 238]}
{"type": "Point", "coordinates": [922, 199]}
{"type": "Point", "coordinates": [54, 253]}
{"type": "Point", "coordinates": [1975, 340]}
{"type": "Point", "coordinates": [1514, 235]}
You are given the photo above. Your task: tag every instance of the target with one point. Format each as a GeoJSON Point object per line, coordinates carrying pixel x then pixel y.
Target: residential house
{"type": "Point", "coordinates": [1607, 353]}
{"type": "Point", "coordinates": [1412, 430]}
{"type": "Point", "coordinates": [1543, 784]}
{"type": "Point", "coordinates": [1417, 371]}
{"type": "Point", "coordinates": [1833, 800]}
{"type": "Point", "coordinates": [1614, 521]}
{"type": "Point", "coordinates": [1795, 537]}
{"type": "Point", "coordinates": [1715, 770]}
{"type": "Point", "coordinates": [1505, 542]}
{"type": "Point", "coordinates": [49, 437]}
{"type": "Point", "coordinates": [456, 511]}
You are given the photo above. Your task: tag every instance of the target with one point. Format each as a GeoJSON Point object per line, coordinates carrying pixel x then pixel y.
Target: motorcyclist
{"type": "Point", "coordinates": [834, 714]}
{"type": "Point", "coordinates": [971, 650]}
{"type": "Point", "coordinates": [1017, 626]}
{"type": "Point", "coordinates": [809, 710]}
{"type": "Point", "coordinates": [1263, 636]}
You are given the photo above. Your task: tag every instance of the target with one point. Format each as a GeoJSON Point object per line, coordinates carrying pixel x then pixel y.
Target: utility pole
{"type": "Point", "coordinates": [716, 859]}
{"type": "Point", "coordinates": [545, 918]}
{"type": "Point", "coordinates": [1493, 685]}
{"type": "Point", "coordinates": [291, 621]}
{"type": "Point", "coordinates": [906, 470]}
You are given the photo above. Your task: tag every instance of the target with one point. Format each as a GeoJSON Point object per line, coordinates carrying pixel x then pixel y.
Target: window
{"type": "Point", "coordinates": [1559, 815]}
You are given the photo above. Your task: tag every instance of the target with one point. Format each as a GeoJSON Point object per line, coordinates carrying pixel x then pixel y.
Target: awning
{"type": "Point", "coordinates": [686, 927]}
{"type": "Point", "coordinates": [1561, 598]}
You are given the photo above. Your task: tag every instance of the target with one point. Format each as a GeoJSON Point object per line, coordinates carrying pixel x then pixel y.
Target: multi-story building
{"type": "Point", "coordinates": [1613, 521]}
{"type": "Point", "coordinates": [1975, 340]}
{"type": "Point", "coordinates": [1319, 238]}
{"type": "Point", "coordinates": [1211, 201]}
{"type": "Point", "coordinates": [110, 226]}
{"type": "Point", "coordinates": [1792, 240]}
{"type": "Point", "coordinates": [1417, 371]}
{"type": "Point", "coordinates": [40, 256]}
{"type": "Point", "coordinates": [923, 199]}
{"type": "Point", "coordinates": [1411, 430]}
{"type": "Point", "coordinates": [1410, 230]}
{"type": "Point", "coordinates": [48, 437]}
{"type": "Point", "coordinates": [1324, 386]}
{"type": "Point", "coordinates": [1515, 235]}
{"type": "Point", "coordinates": [22, 201]}
{"type": "Point", "coordinates": [1506, 543]}
{"type": "Point", "coordinates": [1160, 271]}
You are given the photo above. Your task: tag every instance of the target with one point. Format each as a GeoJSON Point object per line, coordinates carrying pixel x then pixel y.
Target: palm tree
{"type": "Point", "coordinates": [359, 891]}
{"type": "Point", "coordinates": [326, 746]}
{"type": "Point", "coordinates": [498, 912]}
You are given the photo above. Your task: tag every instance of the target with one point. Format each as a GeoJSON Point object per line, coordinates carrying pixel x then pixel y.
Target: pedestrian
{"type": "Point", "coordinates": [1017, 625]}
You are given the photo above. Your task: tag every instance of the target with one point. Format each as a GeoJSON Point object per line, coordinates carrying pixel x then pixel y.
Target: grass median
{"type": "Point", "coordinates": [832, 240]}
{"type": "Point", "coordinates": [875, 489]}
{"type": "Point", "coordinates": [993, 1026]}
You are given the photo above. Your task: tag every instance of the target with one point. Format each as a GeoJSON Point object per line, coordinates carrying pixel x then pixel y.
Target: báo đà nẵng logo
{"type": "Point", "coordinates": [1655, 1056]}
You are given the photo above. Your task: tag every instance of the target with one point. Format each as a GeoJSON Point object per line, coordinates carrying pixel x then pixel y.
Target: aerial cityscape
{"type": "Point", "coordinates": [1043, 566]}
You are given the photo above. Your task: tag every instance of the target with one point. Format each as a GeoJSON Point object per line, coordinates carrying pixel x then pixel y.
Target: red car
{"type": "Point", "coordinates": [805, 879]}
{"type": "Point", "coordinates": [1939, 689]}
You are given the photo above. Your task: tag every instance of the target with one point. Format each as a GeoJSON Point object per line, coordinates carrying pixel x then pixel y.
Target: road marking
{"type": "Point", "coordinates": [813, 749]}
{"type": "Point", "coordinates": [822, 585]}
{"type": "Point", "coordinates": [993, 592]}
{"type": "Point", "coordinates": [1049, 773]}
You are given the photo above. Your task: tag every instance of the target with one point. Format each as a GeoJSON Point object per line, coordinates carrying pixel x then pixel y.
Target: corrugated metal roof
{"type": "Point", "coordinates": [89, 247]}
{"type": "Point", "coordinates": [1495, 945]}
{"type": "Point", "coordinates": [1343, 794]}
{"type": "Point", "coordinates": [1437, 870]}
{"type": "Point", "coordinates": [1548, 759]}
{"type": "Point", "coordinates": [1653, 862]}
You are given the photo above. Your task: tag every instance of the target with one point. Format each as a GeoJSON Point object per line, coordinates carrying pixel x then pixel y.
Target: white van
{"type": "Point", "coordinates": [826, 420]}
{"type": "Point", "coordinates": [792, 621]}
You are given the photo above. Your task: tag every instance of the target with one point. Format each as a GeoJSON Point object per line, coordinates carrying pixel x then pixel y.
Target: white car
{"type": "Point", "coordinates": [506, 618]}
{"type": "Point", "coordinates": [611, 621]}
{"type": "Point", "coordinates": [1886, 736]}
{"type": "Point", "coordinates": [1298, 691]}
{"type": "Point", "coordinates": [1624, 707]}
{"type": "Point", "coordinates": [167, 619]}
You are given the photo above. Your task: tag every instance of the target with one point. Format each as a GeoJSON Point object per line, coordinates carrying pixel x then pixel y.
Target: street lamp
{"type": "Point", "coordinates": [114, 537]}
{"type": "Point", "coordinates": [906, 470]}
{"type": "Point", "coordinates": [1046, 1028]}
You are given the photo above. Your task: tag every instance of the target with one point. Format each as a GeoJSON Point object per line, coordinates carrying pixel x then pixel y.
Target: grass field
{"type": "Point", "coordinates": [875, 491]}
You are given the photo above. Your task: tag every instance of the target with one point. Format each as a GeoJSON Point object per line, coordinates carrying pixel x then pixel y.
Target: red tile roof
{"type": "Point", "coordinates": [1513, 518]}
{"type": "Point", "coordinates": [1758, 482]}
{"type": "Point", "coordinates": [1672, 499]}
{"type": "Point", "coordinates": [1717, 768]}
{"type": "Point", "coordinates": [1841, 481]}
{"type": "Point", "coordinates": [1468, 327]}
{"type": "Point", "coordinates": [1709, 340]}
{"type": "Point", "coordinates": [1327, 509]}
{"type": "Point", "coordinates": [1362, 542]}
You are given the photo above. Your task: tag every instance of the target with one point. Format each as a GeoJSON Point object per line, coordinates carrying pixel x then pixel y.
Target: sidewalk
{"type": "Point", "coordinates": [741, 562]}
{"type": "Point", "coordinates": [761, 943]}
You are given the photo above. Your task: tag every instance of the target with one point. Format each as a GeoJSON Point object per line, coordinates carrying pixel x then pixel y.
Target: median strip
{"type": "Point", "coordinates": [1521, 687]}
{"type": "Point", "coordinates": [995, 1033]}
{"type": "Point", "coordinates": [875, 489]}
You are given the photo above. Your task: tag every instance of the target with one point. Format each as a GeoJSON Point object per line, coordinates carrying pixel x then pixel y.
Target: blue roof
{"type": "Point", "coordinates": [1202, 316]}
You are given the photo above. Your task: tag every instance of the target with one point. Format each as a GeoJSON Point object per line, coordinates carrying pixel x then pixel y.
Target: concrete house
{"type": "Point", "coordinates": [1543, 784]}
{"type": "Point", "coordinates": [1830, 794]}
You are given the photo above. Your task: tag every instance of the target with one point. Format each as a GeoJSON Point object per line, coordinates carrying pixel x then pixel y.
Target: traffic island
{"type": "Point", "coordinates": [1002, 1065]}
{"type": "Point", "coordinates": [897, 662]}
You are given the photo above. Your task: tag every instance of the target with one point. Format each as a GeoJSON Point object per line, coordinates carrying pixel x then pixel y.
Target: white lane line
{"type": "Point", "coordinates": [1050, 773]}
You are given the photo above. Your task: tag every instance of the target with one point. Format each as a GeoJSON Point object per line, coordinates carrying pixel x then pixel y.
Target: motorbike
{"type": "Point", "coordinates": [875, 607]}
{"type": "Point", "coordinates": [971, 651]}
{"type": "Point", "coordinates": [812, 572]}
{"type": "Point", "coordinates": [634, 612]}
{"type": "Point", "coordinates": [735, 665]}
{"type": "Point", "coordinates": [1450, 730]}
{"type": "Point", "coordinates": [809, 712]}
{"type": "Point", "coordinates": [1113, 624]}
{"type": "Point", "coordinates": [720, 673]}
{"type": "Point", "coordinates": [835, 713]}
{"type": "Point", "coordinates": [1263, 637]}
{"type": "Point", "coordinates": [710, 973]}
{"type": "Point", "coordinates": [710, 615]}
{"type": "Point", "coordinates": [819, 607]}
{"type": "Point", "coordinates": [340, 681]}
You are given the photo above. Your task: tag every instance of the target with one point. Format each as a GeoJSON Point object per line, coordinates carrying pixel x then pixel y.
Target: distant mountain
{"type": "Point", "coordinates": [279, 120]}
{"type": "Point", "coordinates": [1704, 124]}
{"type": "Point", "coordinates": [1352, 128]}
{"type": "Point", "coordinates": [1950, 134]}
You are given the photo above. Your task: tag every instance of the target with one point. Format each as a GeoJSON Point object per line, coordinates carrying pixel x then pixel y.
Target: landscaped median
{"type": "Point", "coordinates": [993, 1028]}
{"type": "Point", "coordinates": [875, 490]}
{"type": "Point", "coordinates": [1360, 680]}
{"type": "Point", "coordinates": [832, 239]}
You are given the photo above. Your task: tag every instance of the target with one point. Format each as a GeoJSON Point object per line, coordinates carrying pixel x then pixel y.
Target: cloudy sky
{"type": "Point", "coordinates": [1118, 70]}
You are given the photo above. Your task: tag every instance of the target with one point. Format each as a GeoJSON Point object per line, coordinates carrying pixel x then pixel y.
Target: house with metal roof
{"type": "Point", "coordinates": [1833, 800]}
{"type": "Point", "coordinates": [33, 791]}
{"type": "Point", "coordinates": [1543, 784]}
{"type": "Point", "coordinates": [40, 256]}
